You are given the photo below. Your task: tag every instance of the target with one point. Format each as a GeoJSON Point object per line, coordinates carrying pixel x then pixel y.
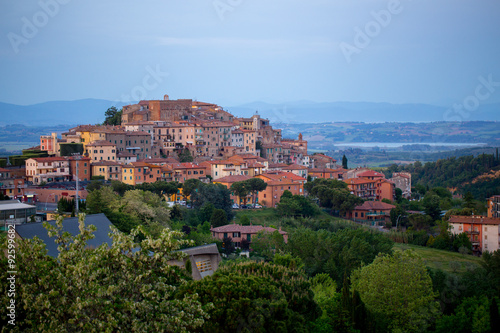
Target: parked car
{"type": "Point", "coordinates": [244, 207]}
{"type": "Point", "coordinates": [236, 206]}
{"type": "Point", "coordinates": [257, 206]}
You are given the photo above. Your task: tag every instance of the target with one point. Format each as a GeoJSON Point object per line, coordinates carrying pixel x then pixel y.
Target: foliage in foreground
{"type": "Point", "coordinates": [398, 289]}
{"type": "Point", "coordinates": [126, 288]}
{"type": "Point", "coordinates": [255, 297]}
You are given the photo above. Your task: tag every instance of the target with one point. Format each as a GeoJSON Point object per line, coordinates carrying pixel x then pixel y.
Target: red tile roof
{"type": "Point", "coordinates": [371, 173]}
{"type": "Point", "coordinates": [476, 219]}
{"type": "Point", "coordinates": [375, 205]}
{"type": "Point", "coordinates": [232, 179]}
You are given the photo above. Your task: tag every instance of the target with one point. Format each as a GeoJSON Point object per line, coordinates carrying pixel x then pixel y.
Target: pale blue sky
{"type": "Point", "coordinates": [236, 51]}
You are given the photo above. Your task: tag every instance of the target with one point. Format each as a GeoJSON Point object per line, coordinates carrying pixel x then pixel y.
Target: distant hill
{"type": "Point", "coordinates": [84, 111]}
{"type": "Point", "coordinates": [312, 112]}
{"type": "Point", "coordinates": [91, 111]}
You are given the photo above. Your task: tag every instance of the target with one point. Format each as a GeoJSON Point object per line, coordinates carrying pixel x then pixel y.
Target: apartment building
{"type": "Point", "coordinates": [185, 171]}
{"type": "Point", "coordinates": [277, 183]}
{"type": "Point", "coordinates": [402, 180]}
{"type": "Point", "coordinates": [47, 169]}
{"type": "Point", "coordinates": [140, 172]}
{"type": "Point", "coordinates": [11, 185]}
{"type": "Point", "coordinates": [483, 231]}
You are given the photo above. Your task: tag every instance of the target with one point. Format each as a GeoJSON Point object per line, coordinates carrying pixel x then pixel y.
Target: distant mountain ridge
{"type": "Point", "coordinates": [84, 111]}
{"type": "Point", "coordinates": [91, 111]}
{"type": "Point", "coordinates": [312, 112]}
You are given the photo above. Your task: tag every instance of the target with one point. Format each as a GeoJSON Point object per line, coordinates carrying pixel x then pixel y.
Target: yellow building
{"type": "Point", "coordinates": [109, 170]}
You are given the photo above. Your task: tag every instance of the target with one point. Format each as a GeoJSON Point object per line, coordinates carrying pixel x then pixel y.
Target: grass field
{"type": "Point", "coordinates": [441, 259]}
{"type": "Point", "coordinates": [262, 216]}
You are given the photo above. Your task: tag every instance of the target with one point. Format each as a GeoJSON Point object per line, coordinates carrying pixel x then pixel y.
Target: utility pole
{"type": "Point", "coordinates": [77, 157]}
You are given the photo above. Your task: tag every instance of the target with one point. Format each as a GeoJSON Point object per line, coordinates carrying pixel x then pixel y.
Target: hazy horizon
{"type": "Point", "coordinates": [233, 52]}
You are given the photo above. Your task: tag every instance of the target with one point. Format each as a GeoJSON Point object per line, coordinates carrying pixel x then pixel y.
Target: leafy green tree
{"type": "Point", "coordinates": [251, 297]}
{"type": "Point", "coordinates": [267, 244]}
{"type": "Point", "coordinates": [398, 287]}
{"type": "Point", "coordinates": [334, 317]}
{"type": "Point", "coordinates": [205, 213]}
{"type": "Point", "coordinates": [241, 190]}
{"type": "Point", "coordinates": [218, 194]}
{"type": "Point", "coordinates": [432, 203]}
{"type": "Point", "coordinates": [472, 315]}
{"type": "Point", "coordinates": [190, 186]}
{"type": "Point", "coordinates": [218, 218]}
{"type": "Point", "coordinates": [185, 156]}
{"type": "Point", "coordinates": [255, 185]}
{"type": "Point", "coordinates": [122, 288]}
{"type": "Point", "coordinates": [113, 116]}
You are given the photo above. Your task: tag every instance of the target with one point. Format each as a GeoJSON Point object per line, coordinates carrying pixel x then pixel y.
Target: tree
{"type": "Point", "coordinates": [398, 288]}
{"type": "Point", "coordinates": [113, 116]}
{"type": "Point", "coordinates": [108, 289]}
{"type": "Point", "coordinates": [217, 194]}
{"type": "Point", "coordinates": [252, 297]}
{"type": "Point", "coordinates": [255, 185]}
{"type": "Point", "coordinates": [431, 203]}
{"type": "Point", "coordinates": [344, 162]}
{"type": "Point", "coordinates": [241, 190]}
{"type": "Point", "coordinates": [267, 244]}
{"type": "Point", "coordinates": [185, 156]}
{"type": "Point", "coordinates": [219, 218]}
{"type": "Point", "coordinates": [190, 186]}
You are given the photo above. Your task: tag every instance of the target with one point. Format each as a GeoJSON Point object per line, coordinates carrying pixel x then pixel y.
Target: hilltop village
{"type": "Point", "coordinates": [177, 140]}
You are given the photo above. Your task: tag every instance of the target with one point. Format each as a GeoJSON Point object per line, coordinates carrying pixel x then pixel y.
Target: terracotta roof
{"type": "Point", "coordinates": [321, 156]}
{"type": "Point", "coordinates": [232, 179]}
{"type": "Point", "coordinates": [476, 219]}
{"type": "Point", "coordinates": [49, 159]}
{"type": "Point", "coordinates": [374, 205]}
{"type": "Point", "coordinates": [280, 175]}
{"type": "Point", "coordinates": [371, 173]}
{"type": "Point", "coordinates": [245, 229]}
{"type": "Point", "coordinates": [325, 170]}
{"type": "Point", "coordinates": [358, 181]}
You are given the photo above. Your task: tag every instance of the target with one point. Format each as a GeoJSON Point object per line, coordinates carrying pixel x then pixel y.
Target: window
{"type": "Point", "coordinates": [225, 235]}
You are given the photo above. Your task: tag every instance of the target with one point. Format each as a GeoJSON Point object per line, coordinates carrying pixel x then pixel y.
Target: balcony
{"type": "Point", "coordinates": [472, 232]}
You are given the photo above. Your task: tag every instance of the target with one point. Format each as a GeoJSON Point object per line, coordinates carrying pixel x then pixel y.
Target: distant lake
{"type": "Point", "coordinates": [400, 144]}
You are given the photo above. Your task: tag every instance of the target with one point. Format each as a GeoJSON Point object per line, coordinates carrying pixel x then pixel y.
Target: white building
{"type": "Point", "coordinates": [483, 231]}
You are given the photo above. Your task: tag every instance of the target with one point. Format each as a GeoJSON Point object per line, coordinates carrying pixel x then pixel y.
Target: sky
{"type": "Point", "coordinates": [232, 52]}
